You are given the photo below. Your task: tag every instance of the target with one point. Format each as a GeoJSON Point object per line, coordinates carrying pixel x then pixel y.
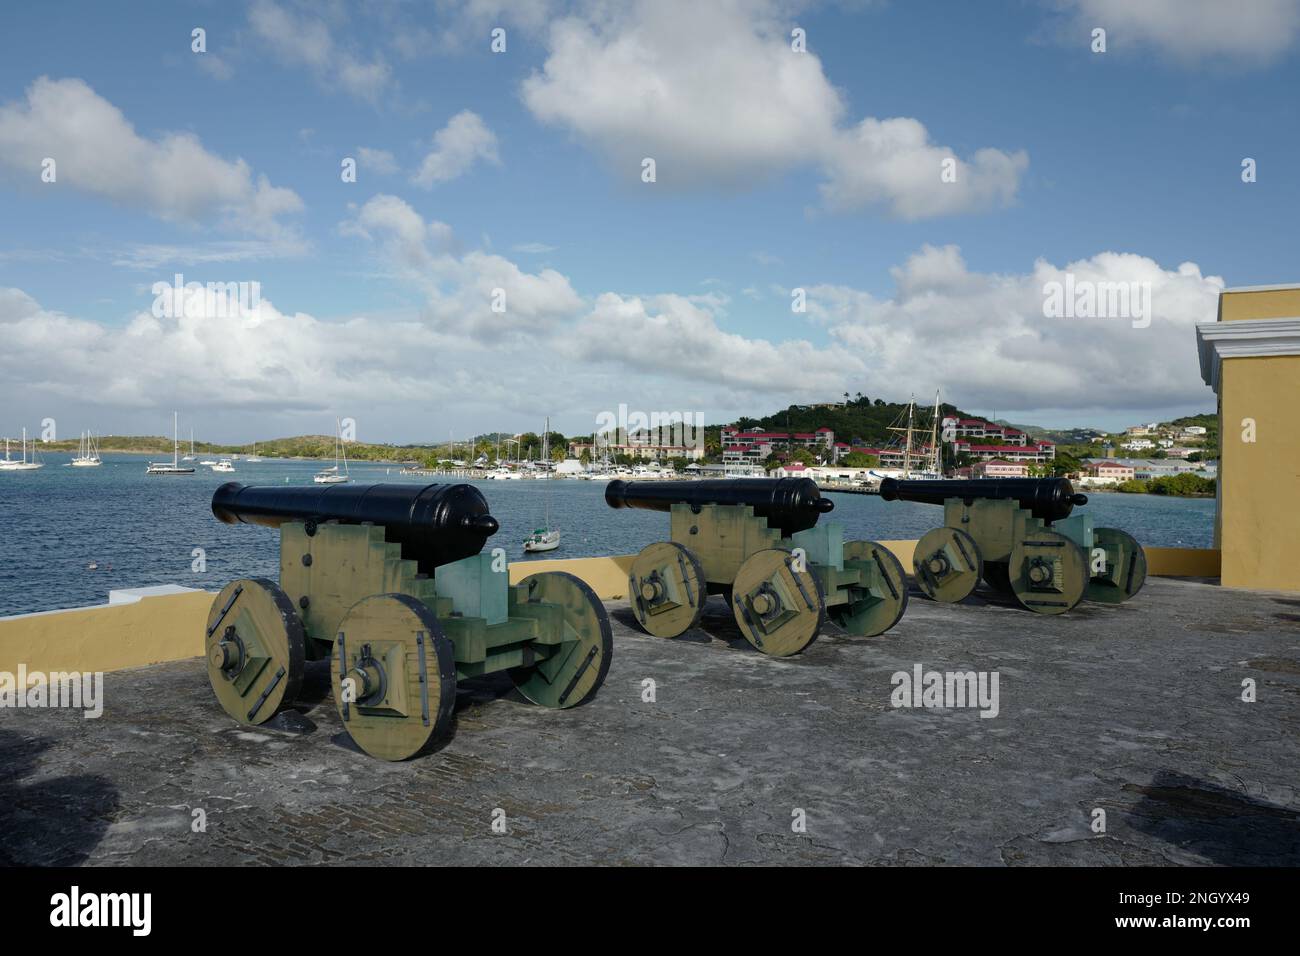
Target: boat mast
{"type": "Point", "coordinates": [907, 449]}
{"type": "Point", "coordinates": [934, 435]}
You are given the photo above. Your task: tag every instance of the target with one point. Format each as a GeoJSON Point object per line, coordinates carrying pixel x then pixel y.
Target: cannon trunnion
{"type": "Point", "coordinates": [1019, 535]}
{"type": "Point", "coordinates": [758, 542]}
{"type": "Point", "coordinates": [389, 583]}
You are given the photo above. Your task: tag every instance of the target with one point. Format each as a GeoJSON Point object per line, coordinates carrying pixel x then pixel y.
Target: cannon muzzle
{"type": "Point", "coordinates": [434, 524]}
{"type": "Point", "coordinates": [789, 504]}
{"type": "Point", "coordinates": [1049, 499]}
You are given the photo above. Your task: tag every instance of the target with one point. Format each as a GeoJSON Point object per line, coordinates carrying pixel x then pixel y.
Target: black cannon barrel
{"type": "Point", "coordinates": [1050, 499]}
{"type": "Point", "coordinates": [790, 504]}
{"type": "Point", "coordinates": [434, 524]}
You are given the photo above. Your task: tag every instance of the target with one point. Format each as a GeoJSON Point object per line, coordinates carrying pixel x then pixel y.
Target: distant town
{"type": "Point", "coordinates": [852, 443]}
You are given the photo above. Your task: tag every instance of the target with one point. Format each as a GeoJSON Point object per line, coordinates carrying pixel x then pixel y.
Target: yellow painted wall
{"type": "Point", "coordinates": [109, 637]}
{"type": "Point", "coordinates": [1268, 304]}
{"type": "Point", "coordinates": [1259, 506]}
{"type": "Point", "coordinates": [606, 576]}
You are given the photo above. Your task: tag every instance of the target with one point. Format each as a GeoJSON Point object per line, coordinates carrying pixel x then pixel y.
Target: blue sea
{"type": "Point", "coordinates": [72, 534]}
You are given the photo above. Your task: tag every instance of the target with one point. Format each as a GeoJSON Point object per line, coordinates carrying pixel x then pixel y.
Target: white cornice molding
{"type": "Point", "coordinates": [1244, 338]}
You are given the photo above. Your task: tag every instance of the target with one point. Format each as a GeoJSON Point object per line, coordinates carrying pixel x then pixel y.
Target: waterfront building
{"type": "Point", "coordinates": [999, 468]}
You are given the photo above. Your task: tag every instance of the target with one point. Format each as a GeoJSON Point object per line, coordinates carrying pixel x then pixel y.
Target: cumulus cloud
{"type": "Point", "coordinates": [462, 288]}
{"type": "Point", "coordinates": [678, 337]}
{"type": "Point", "coordinates": [304, 40]}
{"type": "Point", "coordinates": [264, 359]}
{"type": "Point", "coordinates": [984, 339]}
{"type": "Point", "coordinates": [379, 161]}
{"type": "Point", "coordinates": [98, 151]}
{"type": "Point", "coordinates": [725, 100]}
{"type": "Point", "coordinates": [456, 147]}
{"type": "Point", "coordinates": [1191, 30]}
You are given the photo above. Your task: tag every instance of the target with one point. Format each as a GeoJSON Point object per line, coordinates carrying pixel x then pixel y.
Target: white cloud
{"type": "Point", "coordinates": [215, 66]}
{"type": "Point", "coordinates": [534, 248]}
{"type": "Point", "coordinates": [1191, 30]}
{"type": "Point", "coordinates": [270, 360]}
{"type": "Point", "coordinates": [983, 338]}
{"type": "Point", "coordinates": [460, 287]}
{"type": "Point", "coordinates": [307, 41]}
{"type": "Point", "coordinates": [98, 151]}
{"type": "Point", "coordinates": [151, 255]}
{"type": "Point", "coordinates": [378, 161]}
{"type": "Point", "coordinates": [678, 338]}
{"type": "Point", "coordinates": [715, 95]}
{"type": "Point", "coordinates": [456, 147]}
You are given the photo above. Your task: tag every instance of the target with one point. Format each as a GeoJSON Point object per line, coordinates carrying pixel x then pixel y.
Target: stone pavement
{"type": "Point", "coordinates": [1135, 710]}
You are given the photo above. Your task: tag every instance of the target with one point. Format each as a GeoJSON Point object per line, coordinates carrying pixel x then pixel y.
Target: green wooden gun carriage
{"type": "Point", "coordinates": [1018, 535]}
{"type": "Point", "coordinates": [390, 583]}
{"type": "Point", "coordinates": [758, 542]}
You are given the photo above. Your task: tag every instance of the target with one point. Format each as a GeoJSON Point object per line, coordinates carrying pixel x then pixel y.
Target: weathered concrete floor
{"type": "Point", "coordinates": [1136, 710]}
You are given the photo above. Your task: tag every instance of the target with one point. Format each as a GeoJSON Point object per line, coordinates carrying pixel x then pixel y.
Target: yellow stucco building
{"type": "Point", "coordinates": [1251, 358]}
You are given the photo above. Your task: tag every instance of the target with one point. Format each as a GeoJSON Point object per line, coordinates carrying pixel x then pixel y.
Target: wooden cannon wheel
{"type": "Point", "coordinates": [254, 645]}
{"type": "Point", "coordinates": [1125, 571]}
{"type": "Point", "coordinates": [947, 564]}
{"type": "Point", "coordinates": [400, 674]}
{"type": "Point", "coordinates": [578, 667]}
{"type": "Point", "coordinates": [667, 589]}
{"type": "Point", "coordinates": [1048, 572]}
{"type": "Point", "coordinates": [879, 602]}
{"type": "Point", "coordinates": [779, 608]}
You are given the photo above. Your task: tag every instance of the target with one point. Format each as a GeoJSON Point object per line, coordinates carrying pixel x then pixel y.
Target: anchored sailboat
{"type": "Point", "coordinates": [336, 474]}
{"type": "Point", "coordinates": [173, 467]}
{"type": "Point", "coordinates": [544, 538]}
{"type": "Point", "coordinates": [87, 453]}
{"type": "Point", "coordinates": [190, 456]}
{"type": "Point", "coordinates": [23, 464]}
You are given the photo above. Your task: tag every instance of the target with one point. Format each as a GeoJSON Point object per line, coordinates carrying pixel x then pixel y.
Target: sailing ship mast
{"type": "Point", "coordinates": [934, 438]}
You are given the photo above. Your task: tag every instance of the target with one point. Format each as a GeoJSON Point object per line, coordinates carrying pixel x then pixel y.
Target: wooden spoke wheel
{"type": "Point", "coordinates": [877, 603]}
{"type": "Point", "coordinates": [394, 676]}
{"type": "Point", "coordinates": [947, 564]}
{"type": "Point", "coordinates": [1125, 571]}
{"type": "Point", "coordinates": [579, 663]}
{"type": "Point", "coordinates": [1048, 572]}
{"type": "Point", "coordinates": [666, 589]}
{"type": "Point", "coordinates": [254, 646]}
{"type": "Point", "coordinates": [780, 609]}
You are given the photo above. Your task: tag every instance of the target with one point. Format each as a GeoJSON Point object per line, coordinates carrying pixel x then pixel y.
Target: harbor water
{"type": "Point", "coordinates": [73, 534]}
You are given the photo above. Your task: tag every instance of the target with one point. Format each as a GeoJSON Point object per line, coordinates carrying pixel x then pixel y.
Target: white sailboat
{"type": "Point", "coordinates": [190, 456]}
{"type": "Point", "coordinates": [23, 464]}
{"type": "Point", "coordinates": [6, 462]}
{"type": "Point", "coordinates": [173, 467]}
{"type": "Point", "coordinates": [87, 453]}
{"type": "Point", "coordinates": [253, 457]}
{"type": "Point", "coordinates": [544, 538]}
{"type": "Point", "coordinates": [337, 473]}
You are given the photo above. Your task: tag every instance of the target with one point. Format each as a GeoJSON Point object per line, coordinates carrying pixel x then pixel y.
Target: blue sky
{"type": "Point", "coordinates": [772, 174]}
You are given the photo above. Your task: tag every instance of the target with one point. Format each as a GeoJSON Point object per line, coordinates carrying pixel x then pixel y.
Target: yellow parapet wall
{"type": "Point", "coordinates": [107, 637]}
{"type": "Point", "coordinates": [169, 627]}
{"type": "Point", "coordinates": [606, 576]}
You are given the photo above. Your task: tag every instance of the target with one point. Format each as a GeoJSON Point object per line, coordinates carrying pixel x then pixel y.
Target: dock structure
{"type": "Point", "coordinates": [1130, 717]}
